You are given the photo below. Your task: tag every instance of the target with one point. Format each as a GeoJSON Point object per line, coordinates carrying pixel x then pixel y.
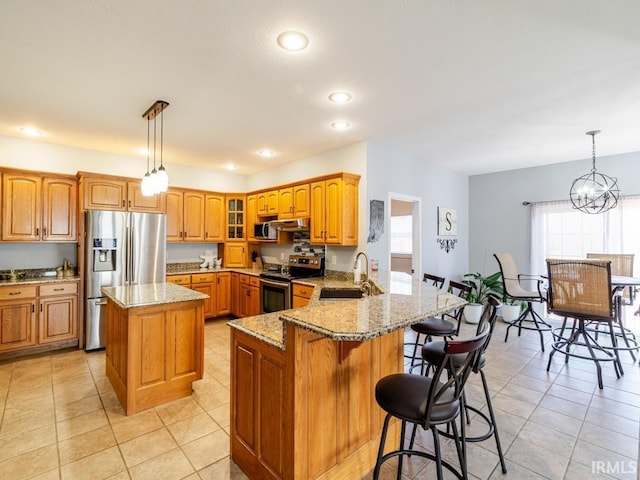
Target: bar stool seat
{"type": "Point", "coordinates": [446, 326]}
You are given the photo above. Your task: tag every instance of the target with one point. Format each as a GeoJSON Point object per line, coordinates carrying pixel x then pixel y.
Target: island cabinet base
{"type": "Point", "coordinates": [309, 412]}
{"type": "Point", "coordinates": [154, 353]}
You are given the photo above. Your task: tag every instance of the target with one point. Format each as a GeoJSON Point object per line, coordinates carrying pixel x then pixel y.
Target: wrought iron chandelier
{"type": "Point", "coordinates": [157, 181]}
{"type": "Point", "coordinates": [594, 192]}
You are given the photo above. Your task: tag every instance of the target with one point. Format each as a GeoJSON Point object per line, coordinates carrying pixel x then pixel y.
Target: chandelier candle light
{"type": "Point", "coordinates": [594, 192]}
{"type": "Point", "coordinates": [157, 181]}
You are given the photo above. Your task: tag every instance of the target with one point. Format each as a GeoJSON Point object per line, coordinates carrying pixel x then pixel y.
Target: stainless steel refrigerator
{"type": "Point", "coordinates": [121, 248]}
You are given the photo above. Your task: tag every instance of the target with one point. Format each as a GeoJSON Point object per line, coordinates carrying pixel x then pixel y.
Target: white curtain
{"type": "Point", "coordinates": [560, 231]}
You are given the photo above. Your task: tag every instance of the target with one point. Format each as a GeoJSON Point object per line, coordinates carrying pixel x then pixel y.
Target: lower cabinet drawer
{"type": "Point", "coordinates": [179, 279]}
{"type": "Point", "coordinates": [304, 291]}
{"type": "Point", "coordinates": [18, 291]}
{"type": "Point", "coordinates": [58, 289]}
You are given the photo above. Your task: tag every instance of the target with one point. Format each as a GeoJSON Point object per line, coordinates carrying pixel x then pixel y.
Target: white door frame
{"type": "Point", "coordinates": [416, 213]}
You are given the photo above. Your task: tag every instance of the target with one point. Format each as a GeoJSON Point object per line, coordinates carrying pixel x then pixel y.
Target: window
{"type": "Point", "coordinates": [560, 231]}
{"type": "Point", "coordinates": [402, 234]}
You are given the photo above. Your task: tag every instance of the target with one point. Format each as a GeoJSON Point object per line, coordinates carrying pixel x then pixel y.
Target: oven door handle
{"type": "Point", "coordinates": [274, 283]}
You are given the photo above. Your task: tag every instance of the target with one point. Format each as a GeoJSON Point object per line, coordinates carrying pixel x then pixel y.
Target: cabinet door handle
{"type": "Point", "coordinates": [33, 308]}
{"type": "Point", "coordinates": [37, 232]}
{"type": "Point", "coordinates": [123, 203]}
{"type": "Point", "coordinates": [44, 232]}
{"type": "Point", "coordinates": [129, 203]}
{"type": "Point", "coordinates": [58, 289]}
{"type": "Point", "coordinates": [40, 308]}
{"type": "Point", "coordinates": [15, 293]}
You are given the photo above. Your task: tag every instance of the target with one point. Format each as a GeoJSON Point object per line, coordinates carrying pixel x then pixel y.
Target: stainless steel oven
{"type": "Point", "coordinates": [275, 295]}
{"type": "Point", "coordinates": [275, 287]}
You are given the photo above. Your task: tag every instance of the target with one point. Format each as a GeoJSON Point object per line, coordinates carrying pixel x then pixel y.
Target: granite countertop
{"type": "Point", "coordinates": [151, 294]}
{"type": "Point", "coordinates": [39, 280]}
{"type": "Point", "coordinates": [188, 270]}
{"type": "Point", "coordinates": [403, 301]}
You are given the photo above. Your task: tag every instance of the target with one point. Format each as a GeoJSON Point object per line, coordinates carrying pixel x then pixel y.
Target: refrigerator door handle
{"type": "Point", "coordinates": [127, 265]}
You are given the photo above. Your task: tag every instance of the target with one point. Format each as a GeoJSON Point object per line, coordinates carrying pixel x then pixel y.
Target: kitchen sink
{"type": "Point", "coordinates": [337, 293]}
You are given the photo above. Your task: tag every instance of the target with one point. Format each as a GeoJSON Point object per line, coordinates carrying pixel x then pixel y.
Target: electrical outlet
{"type": "Point", "coordinates": [334, 260]}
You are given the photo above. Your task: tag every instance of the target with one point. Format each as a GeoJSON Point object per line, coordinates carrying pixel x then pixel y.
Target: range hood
{"type": "Point", "coordinates": [291, 225]}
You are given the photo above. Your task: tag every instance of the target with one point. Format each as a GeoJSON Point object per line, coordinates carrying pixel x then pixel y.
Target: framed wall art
{"type": "Point", "coordinates": [447, 222]}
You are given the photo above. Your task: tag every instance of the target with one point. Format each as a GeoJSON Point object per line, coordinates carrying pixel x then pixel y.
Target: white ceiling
{"type": "Point", "coordinates": [476, 85]}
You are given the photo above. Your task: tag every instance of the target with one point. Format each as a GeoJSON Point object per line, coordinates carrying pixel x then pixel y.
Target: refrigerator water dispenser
{"type": "Point", "coordinates": [104, 254]}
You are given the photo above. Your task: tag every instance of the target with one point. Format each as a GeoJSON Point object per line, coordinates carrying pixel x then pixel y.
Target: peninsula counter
{"type": "Point", "coordinates": [303, 380]}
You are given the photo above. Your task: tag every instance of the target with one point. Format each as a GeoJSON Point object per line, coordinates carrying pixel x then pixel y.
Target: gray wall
{"type": "Point", "coordinates": [498, 222]}
{"type": "Point", "coordinates": [391, 171]}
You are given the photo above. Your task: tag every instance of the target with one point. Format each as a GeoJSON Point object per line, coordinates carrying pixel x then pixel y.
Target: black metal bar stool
{"type": "Point", "coordinates": [430, 402]}
{"type": "Point", "coordinates": [437, 282]}
{"type": "Point", "coordinates": [432, 353]}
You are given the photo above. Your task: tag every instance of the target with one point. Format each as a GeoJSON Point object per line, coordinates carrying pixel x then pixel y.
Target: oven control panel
{"type": "Point", "coordinates": [304, 261]}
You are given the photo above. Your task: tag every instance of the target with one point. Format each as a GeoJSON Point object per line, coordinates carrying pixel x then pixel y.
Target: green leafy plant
{"type": "Point", "coordinates": [483, 286]}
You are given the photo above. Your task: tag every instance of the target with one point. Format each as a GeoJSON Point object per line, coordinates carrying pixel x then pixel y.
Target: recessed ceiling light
{"type": "Point", "coordinates": [30, 131]}
{"type": "Point", "coordinates": [267, 153]}
{"type": "Point", "coordinates": [229, 166]}
{"type": "Point", "coordinates": [339, 97]}
{"type": "Point", "coordinates": [293, 41]}
{"type": "Point", "coordinates": [340, 125]}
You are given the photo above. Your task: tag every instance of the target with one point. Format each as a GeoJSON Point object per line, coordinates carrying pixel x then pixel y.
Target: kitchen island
{"type": "Point", "coordinates": [303, 380]}
{"type": "Point", "coordinates": [155, 343]}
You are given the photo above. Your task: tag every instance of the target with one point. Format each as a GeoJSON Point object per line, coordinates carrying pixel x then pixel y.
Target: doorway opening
{"type": "Point", "coordinates": [404, 233]}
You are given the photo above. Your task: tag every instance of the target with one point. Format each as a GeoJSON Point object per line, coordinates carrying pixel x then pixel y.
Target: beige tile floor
{"type": "Point", "coordinates": [61, 420]}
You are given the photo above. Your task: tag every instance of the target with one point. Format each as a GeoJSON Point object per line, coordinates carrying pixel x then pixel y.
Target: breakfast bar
{"type": "Point", "coordinates": [302, 380]}
{"type": "Point", "coordinates": [155, 343]}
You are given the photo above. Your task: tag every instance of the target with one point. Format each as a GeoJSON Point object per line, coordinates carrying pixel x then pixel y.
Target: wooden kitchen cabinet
{"type": "Point", "coordinates": [38, 207]}
{"type": "Point", "coordinates": [58, 312]}
{"type": "Point", "coordinates": [249, 298]}
{"type": "Point", "coordinates": [185, 215]}
{"type": "Point", "coordinates": [136, 202]}
{"type": "Point", "coordinates": [268, 203]}
{"type": "Point", "coordinates": [301, 295]}
{"type": "Point", "coordinates": [17, 317]}
{"type": "Point", "coordinates": [206, 283]}
{"type": "Point", "coordinates": [215, 284]}
{"type": "Point", "coordinates": [251, 215]}
{"type": "Point", "coordinates": [235, 255]}
{"type": "Point", "coordinates": [214, 217]}
{"type": "Point", "coordinates": [235, 294]}
{"type": "Point", "coordinates": [293, 202]}
{"type": "Point", "coordinates": [105, 192]}
{"type": "Point", "coordinates": [334, 210]}
{"type": "Point", "coordinates": [35, 318]}
{"type": "Point", "coordinates": [235, 218]}
{"type": "Point", "coordinates": [223, 293]}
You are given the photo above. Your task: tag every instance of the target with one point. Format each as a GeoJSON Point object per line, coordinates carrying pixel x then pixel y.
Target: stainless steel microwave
{"type": "Point", "coordinates": [265, 231]}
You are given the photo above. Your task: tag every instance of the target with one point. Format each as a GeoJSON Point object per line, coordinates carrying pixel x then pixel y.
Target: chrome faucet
{"type": "Point", "coordinates": [366, 285]}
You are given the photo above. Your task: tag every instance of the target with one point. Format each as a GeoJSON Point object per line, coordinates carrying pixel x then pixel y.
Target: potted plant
{"type": "Point", "coordinates": [511, 309]}
{"type": "Point", "coordinates": [481, 288]}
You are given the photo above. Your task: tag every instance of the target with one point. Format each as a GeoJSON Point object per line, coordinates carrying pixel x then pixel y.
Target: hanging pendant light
{"type": "Point", "coordinates": [162, 179]}
{"type": "Point", "coordinates": [157, 181]}
{"type": "Point", "coordinates": [594, 192]}
{"type": "Point", "coordinates": [145, 187]}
